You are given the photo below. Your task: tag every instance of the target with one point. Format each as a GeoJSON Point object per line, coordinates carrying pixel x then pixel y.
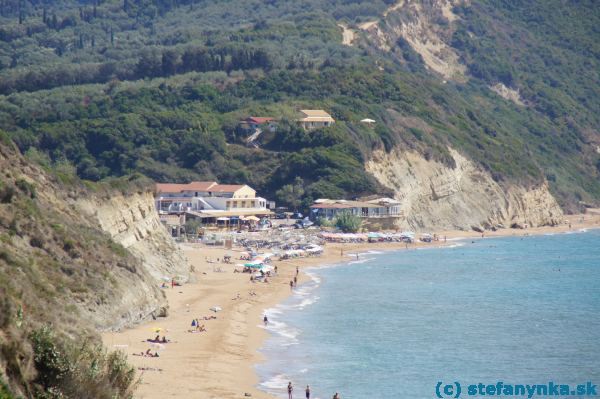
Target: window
{"type": "Point", "coordinates": [235, 204]}
{"type": "Point", "coordinates": [243, 204]}
{"type": "Point", "coordinates": [252, 204]}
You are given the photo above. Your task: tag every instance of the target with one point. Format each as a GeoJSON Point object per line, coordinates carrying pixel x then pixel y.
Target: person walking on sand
{"type": "Point", "coordinates": [307, 392]}
{"type": "Point", "coordinates": [291, 284]}
{"type": "Point", "coordinates": [295, 281]}
{"type": "Point", "coordinates": [290, 389]}
{"type": "Point", "coordinates": [297, 271]}
{"type": "Point", "coordinates": [266, 320]}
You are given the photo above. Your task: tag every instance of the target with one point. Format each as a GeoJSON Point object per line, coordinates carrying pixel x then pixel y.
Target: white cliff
{"type": "Point", "coordinates": [434, 195]}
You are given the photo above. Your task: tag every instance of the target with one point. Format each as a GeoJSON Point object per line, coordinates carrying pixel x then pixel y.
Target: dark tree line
{"type": "Point", "coordinates": [151, 64]}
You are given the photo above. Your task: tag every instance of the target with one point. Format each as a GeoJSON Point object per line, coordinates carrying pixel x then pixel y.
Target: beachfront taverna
{"type": "Point", "coordinates": [209, 200]}
{"type": "Point", "coordinates": [372, 208]}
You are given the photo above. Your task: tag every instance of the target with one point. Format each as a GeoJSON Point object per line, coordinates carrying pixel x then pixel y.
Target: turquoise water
{"type": "Point", "coordinates": [519, 310]}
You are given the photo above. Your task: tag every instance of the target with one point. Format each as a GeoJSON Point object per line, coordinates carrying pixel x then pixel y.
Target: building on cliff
{"type": "Point", "coordinates": [252, 123]}
{"type": "Point", "coordinates": [315, 119]}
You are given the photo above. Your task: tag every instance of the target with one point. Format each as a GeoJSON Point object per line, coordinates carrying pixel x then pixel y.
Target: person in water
{"type": "Point", "coordinates": [307, 392]}
{"type": "Point", "coordinates": [290, 390]}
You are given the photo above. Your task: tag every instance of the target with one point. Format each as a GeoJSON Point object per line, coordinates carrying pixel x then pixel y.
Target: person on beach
{"type": "Point", "coordinates": [307, 392]}
{"type": "Point", "coordinates": [295, 281]}
{"type": "Point", "coordinates": [265, 320]}
{"type": "Point", "coordinates": [297, 271]}
{"type": "Point", "coordinates": [291, 284]}
{"type": "Point", "coordinates": [290, 389]}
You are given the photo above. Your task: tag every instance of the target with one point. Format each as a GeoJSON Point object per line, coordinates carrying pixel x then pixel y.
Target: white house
{"type": "Point", "coordinates": [315, 119]}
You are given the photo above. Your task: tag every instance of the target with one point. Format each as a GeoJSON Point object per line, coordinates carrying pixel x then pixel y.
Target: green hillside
{"type": "Point", "coordinates": [111, 88]}
{"type": "Point", "coordinates": [57, 272]}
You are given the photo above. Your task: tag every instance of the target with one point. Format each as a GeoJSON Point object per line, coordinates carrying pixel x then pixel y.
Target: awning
{"type": "Point", "coordinates": [240, 213]}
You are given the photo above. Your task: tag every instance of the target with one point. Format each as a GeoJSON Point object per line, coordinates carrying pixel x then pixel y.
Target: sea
{"type": "Point", "coordinates": [520, 310]}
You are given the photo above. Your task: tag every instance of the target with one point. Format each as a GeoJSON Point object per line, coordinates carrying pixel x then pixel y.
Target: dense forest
{"type": "Point", "coordinates": [110, 88]}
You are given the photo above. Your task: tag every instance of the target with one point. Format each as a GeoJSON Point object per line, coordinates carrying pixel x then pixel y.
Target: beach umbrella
{"type": "Point", "coordinates": [216, 309]}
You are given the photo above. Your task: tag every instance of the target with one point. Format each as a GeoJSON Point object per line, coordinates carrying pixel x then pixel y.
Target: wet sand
{"type": "Point", "coordinates": [219, 363]}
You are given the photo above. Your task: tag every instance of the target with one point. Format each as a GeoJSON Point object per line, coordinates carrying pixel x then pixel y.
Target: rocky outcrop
{"type": "Point", "coordinates": [132, 221]}
{"type": "Point", "coordinates": [435, 196]}
{"type": "Point", "coordinates": [507, 93]}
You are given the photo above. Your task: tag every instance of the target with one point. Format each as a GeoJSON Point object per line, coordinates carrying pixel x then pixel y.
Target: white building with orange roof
{"type": "Point", "coordinates": [208, 199]}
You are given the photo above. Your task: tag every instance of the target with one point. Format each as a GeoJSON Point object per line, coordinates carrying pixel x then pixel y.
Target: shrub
{"type": "Point", "coordinates": [50, 361]}
{"type": "Point", "coordinates": [37, 242]}
{"type": "Point", "coordinates": [118, 249]}
{"type": "Point", "coordinates": [4, 392]}
{"type": "Point", "coordinates": [324, 222]}
{"type": "Point", "coordinates": [26, 187]}
{"type": "Point", "coordinates": [69, 370]}
{"type": "Point", "coordinates": [348, 222]}
{"type": "Point", "coordinates": [6, 193]}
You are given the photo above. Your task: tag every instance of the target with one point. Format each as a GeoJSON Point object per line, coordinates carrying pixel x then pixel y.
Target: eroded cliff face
{"type": "Point", "coordinates": [435, 196]}
{"type": "Point", "coordinates": [132, 221]}
{"type": "Point", "coordinates": [61, 257]}
{"type": "Point", "coordinates": [427, 27]}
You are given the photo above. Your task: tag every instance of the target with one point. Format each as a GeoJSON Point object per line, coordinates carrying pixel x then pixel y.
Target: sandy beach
{"type": "Point", "coordinates": [219, 363]}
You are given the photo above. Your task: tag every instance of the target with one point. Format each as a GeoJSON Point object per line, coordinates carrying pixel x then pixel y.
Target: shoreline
{"type": "Point", "coordinates": [220, 363]}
